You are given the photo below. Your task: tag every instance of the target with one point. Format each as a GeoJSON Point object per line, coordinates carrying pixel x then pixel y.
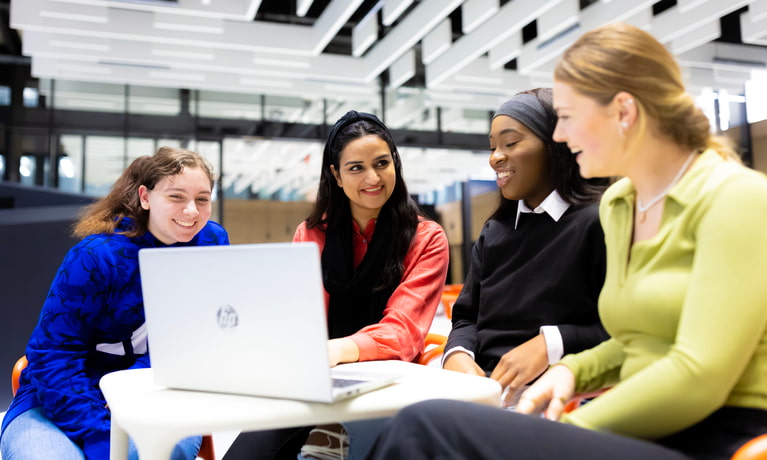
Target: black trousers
{"type": "Point", "coordinates": [284, 444]}
{"type": "Point", "coordinates": [442, 429]}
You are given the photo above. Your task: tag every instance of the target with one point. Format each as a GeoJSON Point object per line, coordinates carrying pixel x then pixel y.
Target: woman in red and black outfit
{"type": "Point", "coordinates": [384, 265]}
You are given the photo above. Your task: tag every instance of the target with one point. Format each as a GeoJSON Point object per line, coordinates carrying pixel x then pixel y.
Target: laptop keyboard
{"type": "Point", "coordinates": [341, 383]}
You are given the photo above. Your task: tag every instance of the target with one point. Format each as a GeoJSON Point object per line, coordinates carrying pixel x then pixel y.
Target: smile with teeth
{"type": "Point", "coordinates": [372, 190]}
{"type": "Point", "coordinates": [183, 223]}
{"type": "Point", "coordinates": [503, 174]}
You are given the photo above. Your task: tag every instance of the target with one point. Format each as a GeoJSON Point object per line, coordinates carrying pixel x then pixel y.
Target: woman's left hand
{"type": "Point", "coordinates": [549, 394]}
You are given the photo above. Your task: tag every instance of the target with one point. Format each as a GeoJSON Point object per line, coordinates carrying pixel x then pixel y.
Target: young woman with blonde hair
{"type": "Point", "coordinates": [684, 295]}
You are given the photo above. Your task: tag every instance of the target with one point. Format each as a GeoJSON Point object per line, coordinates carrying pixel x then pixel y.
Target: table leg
{"type": "Point", "coordinates": [118, 443]}
{"type": "Point", "coordinates": [152, 447]}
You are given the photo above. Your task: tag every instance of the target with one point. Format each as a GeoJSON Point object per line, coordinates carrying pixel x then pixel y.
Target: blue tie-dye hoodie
{"type": "Point", "coordinates": [91, 323]}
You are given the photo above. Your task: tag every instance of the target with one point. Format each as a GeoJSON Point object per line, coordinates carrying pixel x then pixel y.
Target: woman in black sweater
{"type": "Point", "coordinates": [538, 266]}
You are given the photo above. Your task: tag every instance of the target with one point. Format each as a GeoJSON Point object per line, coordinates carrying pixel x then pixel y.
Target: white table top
{"type": "Point", "coordinates": [156, 417]}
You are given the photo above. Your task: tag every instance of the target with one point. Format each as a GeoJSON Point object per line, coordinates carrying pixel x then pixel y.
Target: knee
{"type": "Point", "coordinates": [430, 411]}
{"type": "Point", "coordinates": [427, 416]}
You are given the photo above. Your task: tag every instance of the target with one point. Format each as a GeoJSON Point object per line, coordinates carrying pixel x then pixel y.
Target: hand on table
{"type": "Point", "coordinates": [462, 362]}
{"type": "Point", "coordinates": [521, 365]}
{"type": "Point", "coordinates": [342, 350]}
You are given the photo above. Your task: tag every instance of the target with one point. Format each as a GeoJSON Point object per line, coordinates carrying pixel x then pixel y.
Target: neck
{"type": "Point", "coordinates": [362, 217]}
{"type": "Point", "coordinates": [657, 169]}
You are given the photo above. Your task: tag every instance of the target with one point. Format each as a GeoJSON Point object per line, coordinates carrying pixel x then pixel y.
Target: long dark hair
{"type": "Point", "coordinates": [565, 175]}
{"type": "Point", "coordinates": [331, 199]}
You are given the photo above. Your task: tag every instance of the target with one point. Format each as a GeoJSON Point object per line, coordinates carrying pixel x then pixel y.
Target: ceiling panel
{"type": "Point", "coordinates": [463, 57]}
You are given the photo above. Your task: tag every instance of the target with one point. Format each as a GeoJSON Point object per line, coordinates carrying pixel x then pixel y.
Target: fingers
{"type": "Point", "coordinates": [476, 370]}
{"type": "Point", "coordinates": [556, 408]}
{"type": "Point", "coordinates": [505, 373]}
{"type": "Point", "coordinates": [527, 405]}
{"type": "Point", "coordinates": [462, 362]}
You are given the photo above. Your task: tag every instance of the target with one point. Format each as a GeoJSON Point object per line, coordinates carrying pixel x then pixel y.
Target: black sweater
{"type": "Point", "coordinates": [541, 273]}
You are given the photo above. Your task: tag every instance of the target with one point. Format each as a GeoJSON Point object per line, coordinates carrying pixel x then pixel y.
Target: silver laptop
{"type": "Point", "coordinates": [247, 319]}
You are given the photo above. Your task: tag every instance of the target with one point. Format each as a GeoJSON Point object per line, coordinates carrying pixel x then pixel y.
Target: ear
{"type": "Point", "coordinates": [626, 108]}
{"type": "Point", "coordinates": [143, 196]}
{"type": "Point", "coordinates": [336, 175]}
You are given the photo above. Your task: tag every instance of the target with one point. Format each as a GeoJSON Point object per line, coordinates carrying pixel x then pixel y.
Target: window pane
{"type": "Point", "coordinates": [74, 95]}
{"type": "Point", "coordinates": [5, 96]}
{"type": "Point", "coordinates": [27, 170]}
{"type": "Point", "coordinates": [214, 104]}
{"type": "Point", "coordinates": [154, 101]}
{"type": "Point", "coordinates": [168, 143]}
{"type": "Point", "coordinates": [30, 97]}
{"type": "Point", "coordinates": [104, 162]}
{"type": "Point", "coordinates": [293, 109]}
{"type": "Point", "coordinates": [70, 163]}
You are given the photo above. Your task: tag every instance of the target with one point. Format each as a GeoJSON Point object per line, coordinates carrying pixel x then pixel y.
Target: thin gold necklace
{"type": "Point", "coordinates": [643, 208]}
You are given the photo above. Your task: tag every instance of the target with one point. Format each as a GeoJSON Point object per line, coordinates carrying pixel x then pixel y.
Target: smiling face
{"type": "Point", "coordinates": [520, 161]}
{"type": "Point", "coordinates": [591, 131]}
{"type": "Point", "coordinates": [179, 206]}
{"type": "Point", "coordinates": [367, 175]}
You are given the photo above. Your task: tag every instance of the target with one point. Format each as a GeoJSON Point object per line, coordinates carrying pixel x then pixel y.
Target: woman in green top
{"type": "Point", "coordinates": [684, 299]}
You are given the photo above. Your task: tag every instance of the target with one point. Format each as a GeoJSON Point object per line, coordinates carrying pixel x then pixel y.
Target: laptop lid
{"type": "Point", "coordinates": [247, 319]}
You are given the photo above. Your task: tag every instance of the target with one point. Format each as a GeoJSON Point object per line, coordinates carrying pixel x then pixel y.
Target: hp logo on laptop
{"type": "Point", "coordinates": [226, 317]}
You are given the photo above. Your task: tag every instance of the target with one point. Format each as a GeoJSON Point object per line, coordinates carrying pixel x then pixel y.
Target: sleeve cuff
{"type": "Point", "coordinates": [453, 350]}
{"type": "Point", "coordinates": [367, 346]}
{"type": "Point", "coordinates": [554, 346]}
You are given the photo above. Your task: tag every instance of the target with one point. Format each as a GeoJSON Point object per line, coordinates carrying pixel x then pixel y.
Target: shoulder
{"type": "Point", "coordinates": [102, 253]}
{"type": "Point", "coordinates": [212, 233]}
{"type": "Point", "coordinates": [426, 225]}
{"type": "Point", "coordinates": [429, 236]}
{"type": "Point", "coordinates": [429, 229]}
{"type": "Point", "coordinates": [737, 187]}
{"type": "Point", "coordinates": [737, 178]}
{"type": "Point", "coordinates": [715, 182]}
{"type": "Point", "coordinates": [582, 216]}
{"type": "Point", "coordinates": [304, 233]}
{"type": "Point", "coordinates": [103, 244]}
{"type": "Point", "coordinates": [496, 225]}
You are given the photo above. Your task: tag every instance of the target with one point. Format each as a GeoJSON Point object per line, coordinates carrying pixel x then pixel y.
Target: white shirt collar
{"type": "Point", "coordinates": [553, 205]}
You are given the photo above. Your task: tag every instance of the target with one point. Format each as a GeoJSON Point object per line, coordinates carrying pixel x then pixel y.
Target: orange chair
{"type": "Point", "coordinates": [755, 449]}
{"type": "Point", "coordinates": [433, 348]}
{"type": "Point", "coordinates": [449, 294]}
{"type": "Point", "coordinates": [21, 363]}
{"type": "Point", "coordinates": [206, 448]}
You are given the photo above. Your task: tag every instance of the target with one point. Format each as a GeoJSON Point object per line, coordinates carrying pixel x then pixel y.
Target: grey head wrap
{"type": "Point", "coordinates": [527, 109]}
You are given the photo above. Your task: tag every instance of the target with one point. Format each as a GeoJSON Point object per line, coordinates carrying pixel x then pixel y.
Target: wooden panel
{"type": "Point", "coordinates": [481, 207]}
{"type": "Point", "coordinates": [450, 216]}
{"type": "Point", "coordinates": [259, 221]}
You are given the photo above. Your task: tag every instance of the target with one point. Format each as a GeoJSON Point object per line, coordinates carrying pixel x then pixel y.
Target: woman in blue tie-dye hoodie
{"type": "Point", "coordinates": [92, 321]}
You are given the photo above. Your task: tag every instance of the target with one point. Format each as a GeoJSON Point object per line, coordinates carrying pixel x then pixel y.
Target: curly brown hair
{"type": "Point", "coordinates": [104, 215]}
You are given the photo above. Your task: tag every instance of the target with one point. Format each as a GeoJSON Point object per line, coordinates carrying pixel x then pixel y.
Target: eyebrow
{"type": "Point", "coordinates": [506, 131]}
{"type": "Point", "coordinates": [379, 157]}
{"type": "Point", "coordinates": [178, 189]}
